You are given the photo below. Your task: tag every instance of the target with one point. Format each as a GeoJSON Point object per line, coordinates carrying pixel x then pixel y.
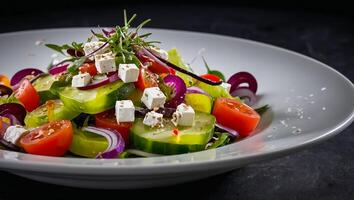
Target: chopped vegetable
{"type": "Point", "coordinates": [27, 95]}
{"type": "Point", "coordinates": [50, 111]}
{"type": "Point", "coordinates": [235, 115]}
{"type": "Point", "coordinates": [52, 139]}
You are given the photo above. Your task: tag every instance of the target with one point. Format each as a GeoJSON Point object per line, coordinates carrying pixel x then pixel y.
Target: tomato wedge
{"type": "Point", "coordinates": [107, 119]}
{"type": "Point", "coordinates": [211, 77]}
{"type": "Point", "coordinates": [27, 95]}
{"type": "Point", "coordinates": [52, 139]}
{"type": "Point", "coordinates": [236, 115]}
{"type": "Point", "coordinates": [88, 68]}
{"type": "Point", "coordinates": [146, 79]}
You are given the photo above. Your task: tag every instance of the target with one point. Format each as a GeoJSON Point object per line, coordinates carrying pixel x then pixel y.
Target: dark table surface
{"type": "Point", "coordinates": [325, 171]}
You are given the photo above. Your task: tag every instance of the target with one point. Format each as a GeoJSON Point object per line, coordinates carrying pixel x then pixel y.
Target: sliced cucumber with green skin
{"type": "Point", "coordinates": [42, 86]}
{"type": "Point", "coordinates": [164, 141]}
{"type": "Point", "coordinates": [87, 144]}
{"type": "Point", "coordinates": [91, 101]}
{"type": "Point", "coordinates": [39, 116]}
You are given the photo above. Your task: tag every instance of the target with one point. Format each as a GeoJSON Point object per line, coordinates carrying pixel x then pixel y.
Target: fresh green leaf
{"type": "Point", "coordinates": [56, 48]}
{"type": "Point", "coordinates": [9, 99]}
{"type": "Point", "coordinates": [221, 139]}
{"type": "Point", "coordinates": [214, 72]}
{"type": "Point", "coordinates": [175, 58]}
{"type": "Point", "coordinates": [74, 67]}
{"type": "Point", "coordinates": [262, 110]}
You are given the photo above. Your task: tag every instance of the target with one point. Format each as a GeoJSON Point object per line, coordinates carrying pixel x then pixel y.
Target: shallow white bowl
{"type": "Point", "coordinates": [310, 103]}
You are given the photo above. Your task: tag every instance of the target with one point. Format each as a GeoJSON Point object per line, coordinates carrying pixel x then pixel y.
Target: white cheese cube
{"type": "Point", "coordinates": [153, 98]}
{"type": "Point", "coordinates": [90, 47]}
{"type": "Point", "coordinates": [81, 80]}
{"type": "Point", "coordinates": [184, 115]}
{"type": "Point", "coordinates": [153, 119]}
{"type": "Point", "coordinates": [160, 52]}
{"type": "Point", "coordinates": [105, 63]}
{"type": "Point", "coordinates": [128, 73]}
{"type": "Point", "coordinates": [13, 133]}
{"type": "Point", "coordinates": [227, 86]}
{"type": "Point", "coordinates": [125, 111]}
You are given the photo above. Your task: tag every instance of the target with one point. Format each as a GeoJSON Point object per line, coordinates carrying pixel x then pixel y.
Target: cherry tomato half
{"type": "Point", "coordinates": [52, 139]}
{"type": "Point", "coordinates": [27, 95]}
{"type": "Point", "coordinates": [236, 115]}
{"type": "Point", "coordinates": [88, 68]}
{"type": "Point", "coordinates": [107, 119]}
{"type": "Point", "coordinates": [146, 79]}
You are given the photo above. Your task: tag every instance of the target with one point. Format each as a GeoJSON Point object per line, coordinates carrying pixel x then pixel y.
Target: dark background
{"type": "Point", "coordinates": [322, 30]}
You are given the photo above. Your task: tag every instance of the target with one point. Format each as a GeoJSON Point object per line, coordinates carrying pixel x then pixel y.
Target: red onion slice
{"type": "Point", "coordinates": [196, 90]}
{"type": "Point", "coordinates": [56, 69]}
{"type": "Point", "coordinates": [110, 79]}
{"type": "Point", "coordinates": [75, 53]}
{"type": "Point", "coordinates": [13, 119]}
{"type": "Point", "coordinates": [243, 77]}
{"type": "Point", "coordinates": [231, 131]}
{"type": "Point", "coordinates": [108, 32]}
{"type": "Point", "coordinates": [14, 109]}
{"type": "Point", "coordinates": [245, 94]}
{"type": "Point", "coordinates": [28, 72]}
{"type": "Point", "coordinates": [179, 89]}
{"type": "Point", "coordinates": [115, 140]}
{"type": "Point", "coordinates": [4, 90]}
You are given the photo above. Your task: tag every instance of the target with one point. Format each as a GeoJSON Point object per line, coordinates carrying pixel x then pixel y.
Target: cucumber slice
{"type": "Point", "coordinates": [87, 144]}
{"type": "Point", "coordinates": [163, 141]}
{"type": "Point", "coordinates": [42, 86]}
{"type": "Point", "coordinates": [91, 101]}
{"type": "Point", "coordinates": [39, 116]}
{"type": "Point", "coordinates": [199, 102]}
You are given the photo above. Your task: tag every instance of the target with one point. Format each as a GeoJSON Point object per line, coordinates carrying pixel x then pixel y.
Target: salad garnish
{"type": "Point", "coordinates": [119, 95]}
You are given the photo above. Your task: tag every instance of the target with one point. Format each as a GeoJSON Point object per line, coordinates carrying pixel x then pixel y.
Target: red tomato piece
{"type": "Point", "coordinates": [107, 119]}
{"type": "Point", "coordinates": [211, 77]}
{"type": "Point", "coordinates": [27, 95]}
{"type": "Point", "coordinates": [234, 114]}
{"type": "Point", "coordinates": [146, 79]}
{"type": "Point", "coordinates": [88, 68]}
{"type": "Point", "coordinates": [52, 139]}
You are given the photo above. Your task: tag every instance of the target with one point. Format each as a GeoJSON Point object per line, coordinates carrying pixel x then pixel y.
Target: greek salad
{"type": "Point", "coordinates": [118, 95]}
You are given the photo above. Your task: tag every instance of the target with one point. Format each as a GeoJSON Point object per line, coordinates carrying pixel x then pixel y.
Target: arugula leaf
{"type": "Point", "coordinates": [262, 110]}
{"type": "Point", "coordinates": [222, 140]}
{"type": "Point", "coordinates": [55, 47]}
{"type": "Point", "coordinates": [74, 67]}
{"type": "Point", "coordinates": [214, 72]}
{"type": "Point", "coordinates": [61, 49]}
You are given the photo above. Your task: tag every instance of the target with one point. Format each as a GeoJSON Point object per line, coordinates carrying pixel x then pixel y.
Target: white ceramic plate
{"type": "Point", "coordinates": [310, 103]}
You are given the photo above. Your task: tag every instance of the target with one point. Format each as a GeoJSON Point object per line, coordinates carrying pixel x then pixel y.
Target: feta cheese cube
{"type": "Point", "coordinates": [153, 98]}
{"type": "Point", "coordinates": [105, 63]}
{"type": "Point", "coordinates": [153, 119]}
{"type": "Point", "coordinates": [160, 52]}
{"type": "Point", "coordinates": [13, 133]}
{"type": "Point", "coordinates": [128, 73]}
{"type": "Point", "coordinates": [184, 115]}
{"type": "Point", "coordinates": [81, 80]}
{"type": "Point", "coordinates": [227, 86]}
{"type": "Point", "coordinates": [125, 111]}
{"type": "Point", "coordinates": [92, 46]}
